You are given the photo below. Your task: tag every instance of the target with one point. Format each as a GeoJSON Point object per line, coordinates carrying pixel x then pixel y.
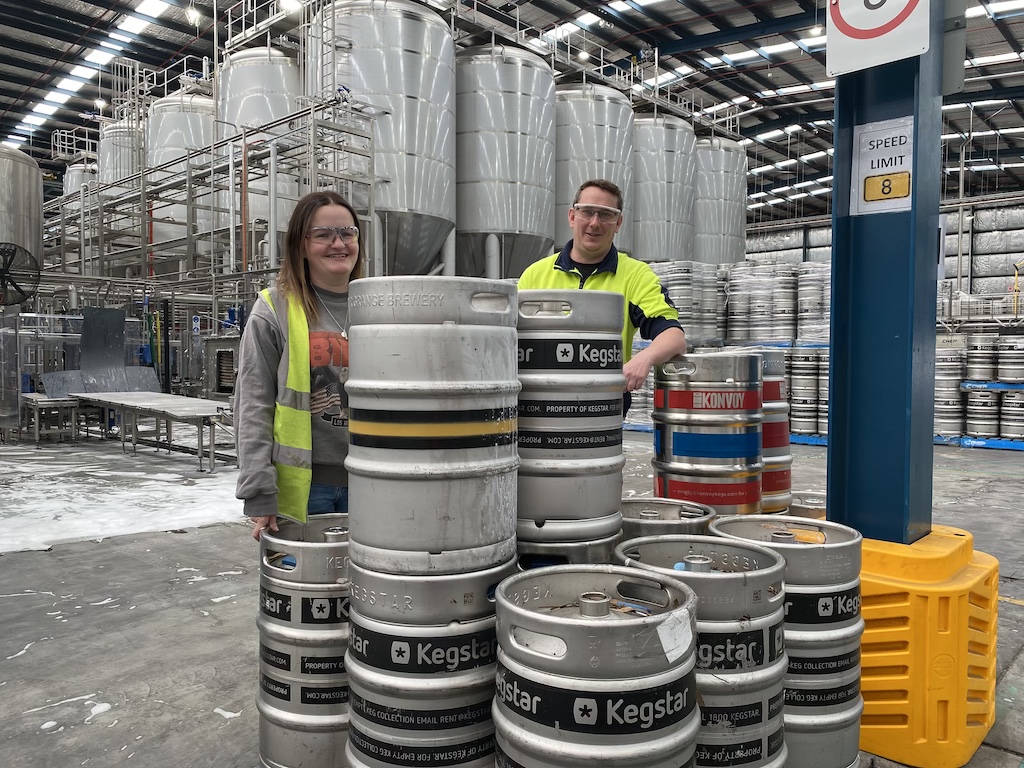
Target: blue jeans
{"type": "Point", "coordinates": [325, 498]}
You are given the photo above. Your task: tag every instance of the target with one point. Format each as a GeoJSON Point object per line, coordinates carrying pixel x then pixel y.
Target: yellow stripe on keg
{"type": "Point", "coordinates": [447, 429]}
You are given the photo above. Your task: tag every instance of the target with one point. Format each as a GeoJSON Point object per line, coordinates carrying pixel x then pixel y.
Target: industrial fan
{"type": "Point", "coordinates": [19, 274]}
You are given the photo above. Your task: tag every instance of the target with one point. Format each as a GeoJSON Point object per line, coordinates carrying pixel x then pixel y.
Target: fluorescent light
{"type": "Point", "coordinates": [746, 142]}
{"type": "Point", "coordinates": [798, 195]}
{"type": "Point", "coordinates": [1005, 5]}
{"type": "Point", "coordinates": [741, 55]}
{"type": "Point", "coordinates": [122, 38]}
{"type": "Point", "coordinates": [86, 73]}
{"type": "Point", "coordinates": [26, 128]}
{"type": "Point", "coordinates": [822, 191]}
{"type": "Point", "coordinates": [741, 100]}
{"type": "Point", "coordinates": [15, 137]}
{"type": "Point", "coordinates": [44, 109]}
{"type": "Point", "coordinates": [988, 167]}
{"type": "Point", "coordinates": [753, 206]}
{"type": "Point", "coordinates": [620, 6]}
{"type": "Point", "coordinates": [999, 58]}
{"type": "Point", "coordinates": [56, 96]}
{"type": "Point", "coordinates": [813, 42]}
{"type": "Point", "coordinates": [35, 120]}
{"type": "Point", "coordinates": [770, 134]}
{"type": "Point", "coordinates": [823, 85]}
{"type": "Point", "coordinates": [777, 190]}
{"type": "Point", "coordinates": [713, 61]}
{"type": "Point", "coordinates": [988, 103]}
{"type": "Point", "coordinates": [133, 25]}
{"type": "Point", "coordinates": [756, 195]}
{"type": "Point", "coordinates": [950, 107]}
{"type": "Point", "coordinates": [775, 201]}
{"type": "Point", "coordinates": [588, 19]}
{"type": "Point", "coordinates": [795, 128]}
{"type": "Point", "coordinates": [762, 169]}
{"type": "Point", "coordinates": [152, 8]}
{"type": "Point", "coordinates": [11, 144]}
{"type": "Point", "coordinates": [813, 156]}
{"type": "Point", "coordinates": [793, 89]}
{"type": "Point", "coordinates": [803, 184]}
{"type": "Point", "coordinates": [786, 163]}
{"type": "Point", "coordinates": [823, 179]}
{"type": "Point", "coordinates": [975, 11]}
{"type": "Point", "coordinates": [769, 50]}
{"type": "Point", "coordinates": [112, 46]}
{"type": "Point", "coordinates": [685, 70]}
{"type": "Point", "coordinates": [97, 56]}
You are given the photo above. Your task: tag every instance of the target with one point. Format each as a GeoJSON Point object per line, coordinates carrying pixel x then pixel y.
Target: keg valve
{"type": "Point", "coordinates": [595, 604]}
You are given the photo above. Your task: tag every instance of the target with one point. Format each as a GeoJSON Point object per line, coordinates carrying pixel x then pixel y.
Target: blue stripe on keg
{"type": "Point", "coordinates": [715, 446]}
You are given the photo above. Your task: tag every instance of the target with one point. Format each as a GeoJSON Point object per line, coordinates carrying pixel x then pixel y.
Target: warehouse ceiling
{"type": "Point", "coordinates": [750, 70]}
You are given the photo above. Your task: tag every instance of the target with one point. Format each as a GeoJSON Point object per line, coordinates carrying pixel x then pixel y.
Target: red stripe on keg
{"type": "Point", "coordinates": [773, 482]}
{"type": "Point", "coordinates": [721, 494]}
{"type": "Point", "coordinates": [708, 399]}
{"type": "Point", "coordinates": [773, 391]}
{"type": "Point", "coordinates": [775, 434]}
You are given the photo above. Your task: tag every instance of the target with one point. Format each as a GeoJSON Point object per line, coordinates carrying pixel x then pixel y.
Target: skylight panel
{"type": "Point", "coordinates": [771, 134]}
{"type": "Point", "coordinates": [134, 25]}
{"type": "Point", "coordinates": [588, 19]}
{"type": "Point", "coordinates": [740, 56]}
{"type": "Point", "coordinates": [789, 89]}
{"type": "Point", "coordinates": [769, 50]}
{"type": "Point", "coordinates": [55, 96]}
{"type": "Point", "coordinates": [97, 56]}
{"type": "Point", "coordinates": [35, 120]}
{"type": "Point", "coordinates": [620, 6]}
{"type": "Point", "coordinates": [818, 41]}
{"type": "Point", "coordinates": [152, 8]}
{"type": "Point", "coordinates": [44, 109]}
{"type": "Point", "coordinates": [86, 73]}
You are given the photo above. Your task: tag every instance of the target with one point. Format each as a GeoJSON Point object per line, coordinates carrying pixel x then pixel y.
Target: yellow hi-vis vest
{"type": "Point", "coordinates": [293, 431]}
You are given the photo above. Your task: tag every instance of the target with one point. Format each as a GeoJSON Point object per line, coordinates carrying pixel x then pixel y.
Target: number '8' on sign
{"type": "Point", "coordinates": [890, 186]}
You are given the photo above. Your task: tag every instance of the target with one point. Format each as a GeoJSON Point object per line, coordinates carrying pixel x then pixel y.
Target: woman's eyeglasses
{"type": "Point", "coordinates": [605, 215]}
{"type": "Point", "coordinates": [326, 235]}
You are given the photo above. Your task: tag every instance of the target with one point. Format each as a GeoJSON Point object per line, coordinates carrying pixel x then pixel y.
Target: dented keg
{"type": "Point", "coordinates": [655, 517]}
{"type": "Point", "coordinates": [570, 414]}
{"type": "Point", "coordinates": [303, 696]}
{"type": "Point", "coordinates": [595, 667]}
{"type": "Point", "coordinates": [707, 431]}
{"type": "Point", "coordinates": [823, 632]}
{"type": "Point", "coordinates": [421, 694]}
{"type": "Point", "coordinates": [741, 656]}
{"type": "Point", "coordinates": [433, 395]}
{"type": "Point", "coordinates": [776, 478]}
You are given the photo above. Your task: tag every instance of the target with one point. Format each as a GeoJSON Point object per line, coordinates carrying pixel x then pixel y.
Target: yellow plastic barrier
{"type": "Point", "coordinates": [928, 654]}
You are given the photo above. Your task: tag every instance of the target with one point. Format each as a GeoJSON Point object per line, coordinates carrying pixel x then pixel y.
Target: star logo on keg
{"type": "Point", "coordinates": [321, 609]}
{"type": "Point", "coordinates": [584, 711]}
{"type": "Point", "coordinates": [565, 353]}
{"type": "Point", "coordinates": [400, 652]}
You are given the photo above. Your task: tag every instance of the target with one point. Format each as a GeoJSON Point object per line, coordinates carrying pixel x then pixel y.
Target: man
{"type": "Point", "coordinates": [590, 262]}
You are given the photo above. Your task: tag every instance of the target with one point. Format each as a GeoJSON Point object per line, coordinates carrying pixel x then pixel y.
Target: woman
{"type": "Point", "coordinates": [291, 413]}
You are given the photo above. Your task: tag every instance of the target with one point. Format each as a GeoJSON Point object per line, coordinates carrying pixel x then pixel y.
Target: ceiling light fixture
{"type": "Point", "coordinates": [192, 14]}
{"type": "Point", "coordinates": [290, 6]}
{"type": "Point", "coordinates": [100, 103]}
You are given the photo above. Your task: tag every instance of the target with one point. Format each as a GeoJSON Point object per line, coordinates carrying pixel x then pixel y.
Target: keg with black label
{"type": "Point", "coordinates": [433, 393]}
{"type": "Point", "coordinates": [570, 414]}
{"type": "Point", "coordinates": [595, 667]}
{"type": "Point", "coordinates": [707, 431]}
{"type": "Point", "coordinates": [1010, 358]}
{"type": "Point", "coordinates": [421, 694]}
{"type": "Point", "coordinates": [776, 478]}
{"type": "Point", "coordinates": [982, 356]}
{"type": "Point", "coordinates": [1011, 416]}
{"type": "Point", "coordinates": [823, 632]}
{"type": "Point", "coordinates": [303, 694]}
{"type": "Point", "coordinates": [657, 516]}
{"type": "Point", "coordinates": [741, 650]}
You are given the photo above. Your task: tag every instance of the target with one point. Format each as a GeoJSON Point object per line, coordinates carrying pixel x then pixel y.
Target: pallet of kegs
{"type": "Point", "coordinates": [1011, 360]}
{"type": "Point", "coordinates": [596, 666]}
{"type": "Point", "coordinates": [982, 357]}
{"type": "Point", "coordinates": [776, 478]}
{"type": "Point", "coordinates": [949, 406]}
{"type": "Point", "coordinates": [741, 651]}
{"type": "Point", "coordinates": [1011, 416]}
{"type": "Point", "coordinates": [433, 396]}
{"type": "Point", "coordinates": [303, 622]}
{"type": "Point", "coordinates": [823, 632]}
{"type": "Point", "coordinates": [803, 394]}
{"type": "Point", "coordinates": [570, 426]}
{"type": "Point", "coordinates": [707, 431]}
{"type": "Point", "coordinates": [982, 413]}
{"type": "Point", "coordinates": [824, 358]}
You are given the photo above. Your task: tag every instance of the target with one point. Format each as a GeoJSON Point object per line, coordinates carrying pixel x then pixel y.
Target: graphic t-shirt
{"type": "Point", "coordinates": [328, 363]}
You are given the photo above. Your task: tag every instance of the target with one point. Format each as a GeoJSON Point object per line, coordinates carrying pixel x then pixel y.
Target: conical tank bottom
{"type": "Point", "coordinates": [518, 251]}
{"type": "Point", "coordinates": [412, 241]}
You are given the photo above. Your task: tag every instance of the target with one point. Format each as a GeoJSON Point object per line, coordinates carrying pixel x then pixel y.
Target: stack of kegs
{"type": "Point", "coordinates": [813, 302]}
{"type": "Point", "coordinates": [784, 303]}
{"type": "Point", "coordinates": [433, 394]}
{"type": "Point", "coordinates": [760, 289]}
{"type": "Point", "coordinates": [738, 291]}
{"type": "Point", "coordinates": [804, 392]}
{"type": "Point", "coordinates": [707, 431]}
{"type": "Point", "coordinates": [776, 479]}
{"type": "Point", "coordinates": [823, 633]}
{"type": "Point", "coordinates": [949, 406]}
{"type": "Point", "coordinates": [1011, 360]}
{"type": "Point", "coordinates": [657, 517]}
{"type": "Point", "coordinates": [639, 412]}
{"type": "Point", "coordinates": [570, 426]}
{"type": "Point", "coordinates": [824, 358]}
{"type": "Point", "coordinates": [1011, 416]}
{"type": "Point", "coordinates": [982, 413]}
{"type": "Point", "coordinates": [677, 278]}
{"type": "Point", "coordinates": [596, 666]}
{"type": "Point", "coordinates": [982, 356]}
{"type": "Point", "coordinates": [303, 696]}
{"type": "Point", "coordinates": [741, 643]}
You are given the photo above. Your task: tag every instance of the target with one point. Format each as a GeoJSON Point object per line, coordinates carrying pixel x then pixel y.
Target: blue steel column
{"type": "Point", "coordinates": [884, 271]}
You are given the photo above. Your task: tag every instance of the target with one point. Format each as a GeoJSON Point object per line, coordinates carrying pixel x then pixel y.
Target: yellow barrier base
{"type": "Point", "coordinates": [928, 654]}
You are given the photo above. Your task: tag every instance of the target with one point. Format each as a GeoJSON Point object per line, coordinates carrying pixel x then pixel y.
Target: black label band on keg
{"type": "Point", "coordinates": [582, 711]}
{"type": "Point", "coordinates": [423, 655]}
{"type": "Point", "coordinates": [322, 665]}
{"type": "Point", "coordinates": [421, 756]}
{"type": "Point", "coordinates": [830, 665]}
{"type": "Point", "coordinates": [814, 697]}
{"type": "Point", "coordinates": [335, 695]}
{"type": "Point", "coordinates": [776, 704]}
{"type": "Point", "coordinates": [562, 440]}
{"type": "Point", "coordinates": [829, 608]}
{"type": "Point", "coordinates": [275, 604]}
{"type": "Point", "coordinates": [740, 650]}
{"type": "Point", "coordinates": [732, 717]}
{"type": "Point", "coordinates": [324, 610]}
{"type": "Point", "coordinates": [740, 753]}
{"type": "Point", "coordinates": [275, 658]}
{"type": "Point", "coordinates": [432, 430]}
{"type": "Point", "coordinates": [560, 409]}
{"type": "Point", "coordinates": [569, 354]}
{"type": "Point", "coordinates": [776, 741]}
{"type": "Point", "coordinates": [276, 688]}
{"type": "Point", "coordinates": [421, 719]}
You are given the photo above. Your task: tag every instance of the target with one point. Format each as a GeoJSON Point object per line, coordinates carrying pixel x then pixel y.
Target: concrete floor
{"type": "Point", "coordinates": [142, 648]}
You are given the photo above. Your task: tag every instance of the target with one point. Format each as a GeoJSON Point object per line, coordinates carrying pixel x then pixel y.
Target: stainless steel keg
{"type": "Point", "coordinates": [808, 504]}
{"type": "Point", "coordinates": [982, 358]}
{"type": "Point", "coordinates": [421, 693]}
{"type": "Point", "coordinates": [982, 413]}
{"type": "Point", "coordinates": [707, 431]}
{"type": "Point", "coordinates": [657, 516]}
{"type": "Point", "coordinates": [1011, 359]}
{"type": "Point", "coordinates": [570, 414]}
{"type": "Point", "coordinates": [823, 632]}
{"type": "Point", "coordinates": [741, 656]}
{"type": "Point", "coordinates": [595, 667]}
{"type": "Point", "coordinates": [1011, 416]}
{"type": "Point", "coordinates": [433, 392]}
{"type": "Point", "coordinates": [776, 478]}
{"type": "Point", "coordinates": [538, 554]}
{"type": "Point", "coordinates": [303, 695]}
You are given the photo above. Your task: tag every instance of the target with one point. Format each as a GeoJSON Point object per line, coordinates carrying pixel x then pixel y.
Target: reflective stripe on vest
{"type": "Point", "coordinates": [293, 432]}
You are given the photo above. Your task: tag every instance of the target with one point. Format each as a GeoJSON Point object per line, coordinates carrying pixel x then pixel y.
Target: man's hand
{"type": "Point", "coordinates": [636, 371]}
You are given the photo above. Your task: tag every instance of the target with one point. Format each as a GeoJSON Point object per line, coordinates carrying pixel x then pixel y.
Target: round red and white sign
{"type": "Point", "coordinates": [869, 19]}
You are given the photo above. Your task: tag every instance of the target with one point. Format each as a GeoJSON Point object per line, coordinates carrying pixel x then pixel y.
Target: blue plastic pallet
{"type": "Point", "coordinates": [994, 385]}
{"type": "Point", "coordinates": [808, 439]}
{"type": "Point", "coordinates": [992, 442]}
{"type": "Point", "coordinates": [638, 427]}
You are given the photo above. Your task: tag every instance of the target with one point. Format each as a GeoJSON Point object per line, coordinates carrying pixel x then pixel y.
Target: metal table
{"type": "Point", "coordinates": [40, 410]}
{"type": "Point", "coordinates": [164, 408]}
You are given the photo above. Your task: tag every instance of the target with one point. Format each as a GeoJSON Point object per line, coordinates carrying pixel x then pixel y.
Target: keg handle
{"type": "Point", "coordinates": [679, 365]}
{"type": "Point", "coordinates": [548, 308]}
{"type": "Point", "coordinates": [491, 302]}
{"type": "Point", "coordinates": [539, 644]}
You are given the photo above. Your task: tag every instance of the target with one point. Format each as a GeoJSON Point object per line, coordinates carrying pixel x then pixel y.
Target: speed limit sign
{"type": "Point", "coordinates": [867, 33]}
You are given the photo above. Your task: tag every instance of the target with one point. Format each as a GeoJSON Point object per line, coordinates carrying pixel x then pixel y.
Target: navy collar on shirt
{"type": "Point", "coordinates": [610, 263]}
